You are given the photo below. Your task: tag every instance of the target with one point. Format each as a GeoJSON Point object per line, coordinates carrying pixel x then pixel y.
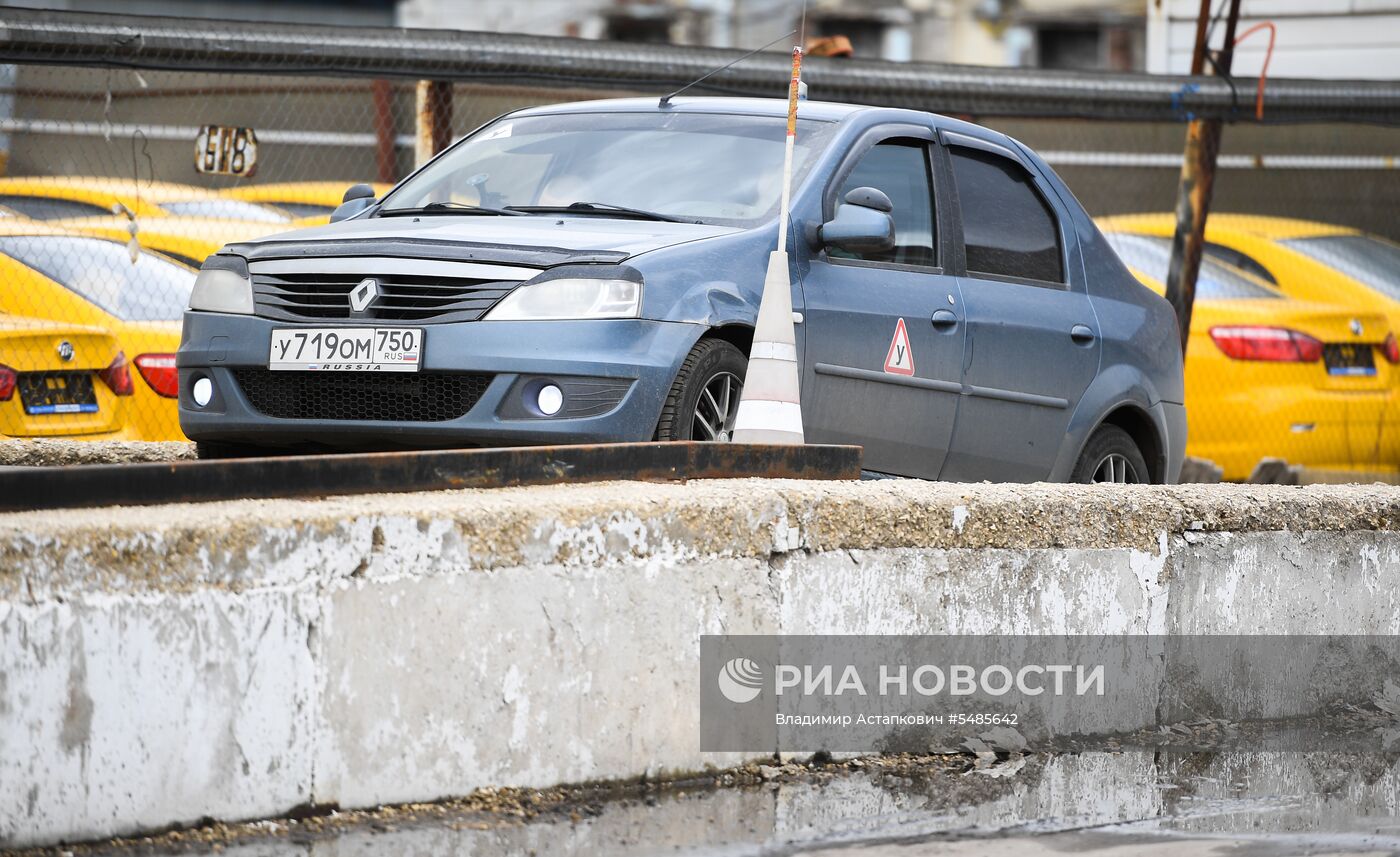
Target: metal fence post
{"type": "Point", "coordinates": [385, 156]}
{"type": "Point", "coordinates": [1197, 181]}
{"type": "Point", "coordinates": [434, 119]}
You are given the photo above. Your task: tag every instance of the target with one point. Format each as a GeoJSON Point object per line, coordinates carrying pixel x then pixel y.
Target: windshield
{"type": "Point", "coordinates": [1373, 261]}
{"type": "Point", "coordinates": [713, 168]}
{"type": "Point", "coordinates": [1216, 280]}
{"type": "Point", "coordinates": [153, 289]}
{"type": "Point", "coordinates": [228, 209]}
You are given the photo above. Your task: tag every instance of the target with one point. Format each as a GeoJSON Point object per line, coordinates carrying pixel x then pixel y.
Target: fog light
{"type": "Point", "coordinates": [550, 400]}
{"type": "Point", "coordinates": [202, 391]}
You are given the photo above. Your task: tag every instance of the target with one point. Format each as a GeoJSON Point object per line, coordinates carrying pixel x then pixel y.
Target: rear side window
{"type": "Point", "coordinates": [153, 289]}
{"type": "Point", "coordinates": [901, 171]}
{"type": "Point", "coordinates": [1152, 254]}
{"type": "Point", "coordinates": [1373, 261]}
{"type": "Point", "coordinates": [50, 207]}
{"type": "Point", "coordinates": [1238, 259]}
{"type": "Point", "coordinates": [1008, 229]}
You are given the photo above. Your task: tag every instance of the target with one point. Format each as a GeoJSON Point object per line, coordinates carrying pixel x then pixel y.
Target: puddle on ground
{"type": "Point", "coordinates": [1133, 802]}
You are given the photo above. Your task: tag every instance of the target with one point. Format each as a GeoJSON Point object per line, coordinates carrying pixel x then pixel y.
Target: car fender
{"type": "Point", "coordinates": [1113, 388]}
{"type": "Point", "coordinates": [714, 303]}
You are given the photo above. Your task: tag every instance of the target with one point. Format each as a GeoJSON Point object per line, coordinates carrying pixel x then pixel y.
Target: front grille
{"type": "Point", "coordinates": [419, 397]}
{"type": "Point", "coordinates": [403, 297]}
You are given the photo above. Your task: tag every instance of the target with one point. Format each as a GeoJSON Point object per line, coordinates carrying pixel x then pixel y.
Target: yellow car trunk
{"type": "Point", "coordinates": [1329, 413]}
{"type": "Point", "coordinates": [54, 396]}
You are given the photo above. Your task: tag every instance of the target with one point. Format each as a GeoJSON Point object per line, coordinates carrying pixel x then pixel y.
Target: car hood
{"type": "Point", "coordinates": [584, 234]}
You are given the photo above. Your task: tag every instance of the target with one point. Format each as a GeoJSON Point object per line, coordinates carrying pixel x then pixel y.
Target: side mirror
{"type": "Point", "coordinates": [358, 191]}
{"type": "Point", "coordinates": [862, 223]}
{"type": "Point", "coordinates": [357, 198]}
{"type": "Point", "coordinates": [347, 210]}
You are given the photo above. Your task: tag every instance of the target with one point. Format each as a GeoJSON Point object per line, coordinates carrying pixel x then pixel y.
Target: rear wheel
{"type": "Point", "coordinates": [704, 399]}
{"type": "Point", "coordinates": [1111, 456]}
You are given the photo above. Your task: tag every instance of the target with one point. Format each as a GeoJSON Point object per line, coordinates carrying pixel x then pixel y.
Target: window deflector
{"type": "Point", "coordinates": [1048, 195]}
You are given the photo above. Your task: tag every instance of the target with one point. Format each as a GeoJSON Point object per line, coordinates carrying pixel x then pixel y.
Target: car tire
{"type": "Point", "coordinates": [706, 367]}
{"type": "Point", "coordinates": [1111, 456]}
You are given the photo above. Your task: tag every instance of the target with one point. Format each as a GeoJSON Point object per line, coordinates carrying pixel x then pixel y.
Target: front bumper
{"type": "Point", "coordinates": [637, 358]}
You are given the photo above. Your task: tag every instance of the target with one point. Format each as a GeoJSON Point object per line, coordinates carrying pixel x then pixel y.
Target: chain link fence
{"type": "Point", "coordinates": [133, 151]}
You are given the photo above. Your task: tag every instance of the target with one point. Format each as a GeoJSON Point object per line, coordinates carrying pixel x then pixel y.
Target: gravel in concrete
{"type": "Point", "coordinates": [229, 544]}
{"type": "Point", "coordinates": [21, 452]}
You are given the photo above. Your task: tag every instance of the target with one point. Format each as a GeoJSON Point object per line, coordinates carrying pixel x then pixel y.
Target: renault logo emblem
{"type": "Point", "coordinates": [65, 351]}
{"type": "Point", "coordinates": [1356, 328]}
{"type": "Point", "coordinates": [364, 294]}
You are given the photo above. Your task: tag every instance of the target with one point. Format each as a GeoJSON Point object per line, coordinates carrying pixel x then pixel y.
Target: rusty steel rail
{"type": "Point", "coordinates": [224, 47]}
{"type": "Point", "coordinates": [32, 488]}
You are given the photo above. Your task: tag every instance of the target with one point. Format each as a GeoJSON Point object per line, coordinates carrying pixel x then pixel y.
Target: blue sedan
{"type": "Point", "coordinates": [591, 272]}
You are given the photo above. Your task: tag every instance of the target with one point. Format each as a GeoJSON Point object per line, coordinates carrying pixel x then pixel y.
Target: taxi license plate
{"type": "Point", "coordinates": [1349, 359]}
{"type": "Point", "coordinates": [346, 349]}
{"type": "Point", "coordinates": [57, 393]}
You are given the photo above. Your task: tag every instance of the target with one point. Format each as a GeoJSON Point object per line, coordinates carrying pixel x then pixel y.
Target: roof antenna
{"type": "Point", "coordinates": [666, 99]}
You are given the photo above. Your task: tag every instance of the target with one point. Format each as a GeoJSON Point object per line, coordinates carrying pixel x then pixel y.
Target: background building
{"type": "Point", "coordinates": [1346, 39]}
{"type": "Point", "coordinates": [1106, 34]}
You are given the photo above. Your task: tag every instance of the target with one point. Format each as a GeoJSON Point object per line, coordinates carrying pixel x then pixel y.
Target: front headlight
{"type": "Point", "coordinates": [223, 285]}
{"type": "Point", "coordinates": [570, 298]}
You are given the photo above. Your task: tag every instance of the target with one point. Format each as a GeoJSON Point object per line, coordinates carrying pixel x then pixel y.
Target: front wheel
{"type": "Point", "coordinates": [704, 399]}
{"type": "Point", "coordinates": [1110, 456]}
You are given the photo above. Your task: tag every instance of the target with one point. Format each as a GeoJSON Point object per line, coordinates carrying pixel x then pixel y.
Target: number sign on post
{"type": "Point", "coordinates": [226, 151]}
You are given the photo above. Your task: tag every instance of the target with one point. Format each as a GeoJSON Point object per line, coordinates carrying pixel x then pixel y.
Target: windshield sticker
{"type": "Point", "coordinates": [499, 132]}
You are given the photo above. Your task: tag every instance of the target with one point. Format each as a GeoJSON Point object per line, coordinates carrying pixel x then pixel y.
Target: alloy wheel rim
{"type": "Point", "coordinates": [716, 408]}
{"type": "Point", "coordinates": [1116, 469]}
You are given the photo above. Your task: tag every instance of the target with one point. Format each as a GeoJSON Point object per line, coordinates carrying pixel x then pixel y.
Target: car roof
{"type": "Point", "coordinates": [10, 228]}
{"type": "Point", "coordinates": [827, 111]}
{"type": "Point", "coordinates": [821, 111]}
{"type": "Point", "coordinates": [152, 191]}
{"type": "Point", "coordinates": [1259, 225]}
{"type": "Point", "coordinates": [216, 230]}
{"type": "Point", "coordinates": [297, 191]}
{"type": "Point", "coordinates": [1278, 228]}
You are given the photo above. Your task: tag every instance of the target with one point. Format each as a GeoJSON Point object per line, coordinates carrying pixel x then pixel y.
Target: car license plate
{"type": "Point", "coordinates": [346, 349]}
{"type": "Point", "coordinates": [57, 393]}
{"type": "Point", "coordinates": [1349, 359]}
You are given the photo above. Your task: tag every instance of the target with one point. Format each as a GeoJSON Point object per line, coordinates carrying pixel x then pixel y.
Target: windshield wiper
{"type": "Point", "coordinates": [449, 208]}
{"type": "Point", "coordinates": [598, 208]}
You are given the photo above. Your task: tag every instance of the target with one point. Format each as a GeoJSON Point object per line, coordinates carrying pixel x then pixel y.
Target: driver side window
{"type": "Point", "coordinates": [899, 168]}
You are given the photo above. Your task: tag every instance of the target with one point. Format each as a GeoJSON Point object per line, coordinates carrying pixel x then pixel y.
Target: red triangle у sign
{"type": "Point", "coordinates": [900, 360]}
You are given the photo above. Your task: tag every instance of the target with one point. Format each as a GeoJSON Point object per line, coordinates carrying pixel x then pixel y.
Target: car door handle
{"type": "Point", "coordinates": [944, 319]}
{"type": "Point", "coordinates": [1082, 334]}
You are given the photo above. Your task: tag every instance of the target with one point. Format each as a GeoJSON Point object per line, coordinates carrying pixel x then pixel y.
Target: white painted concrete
{"type": "Point", "coordinates": [238, 660]}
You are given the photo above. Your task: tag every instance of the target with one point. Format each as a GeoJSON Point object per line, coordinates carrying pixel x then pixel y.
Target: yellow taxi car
{"type": "Point", "coordinates": [313, 201]}
{"type": "Point", "coordinates": [1368, 259]}
{"type": "Point", "coordinates": [187, 240]}
{"type": "Point", "coordinates": [62, 198]}
{"type": "Point", "coordinates": [1268, 376]}
{"type": "Point", "coordinates": [1303, 259]}
{"type": "Point", "coordinates": [57, 274]}
{"type": "Point", "coordinates": [61, 380]}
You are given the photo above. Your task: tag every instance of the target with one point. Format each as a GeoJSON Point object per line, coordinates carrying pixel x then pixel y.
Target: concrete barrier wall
{"type": "Point", "coordinates": [237, 660]}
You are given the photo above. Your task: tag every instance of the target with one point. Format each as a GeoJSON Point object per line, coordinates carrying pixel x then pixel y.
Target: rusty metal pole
{"type": "Point", "coordinates": [385, 150]}
{"type": "Point", "coordinates": [433, 119]}
{"type": "Point", "coordinates": [1197, 181]}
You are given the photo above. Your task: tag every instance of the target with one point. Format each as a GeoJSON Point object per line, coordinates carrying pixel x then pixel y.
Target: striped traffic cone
{"type": "Point", "coordinates": [770, 409]}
